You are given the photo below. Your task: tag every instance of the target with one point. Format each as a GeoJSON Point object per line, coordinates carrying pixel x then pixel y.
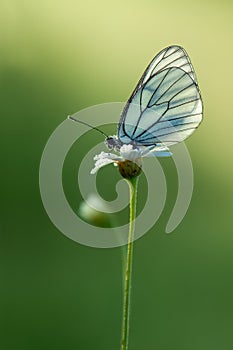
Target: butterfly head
{"type": "Point", "coordinates": [113, 143]}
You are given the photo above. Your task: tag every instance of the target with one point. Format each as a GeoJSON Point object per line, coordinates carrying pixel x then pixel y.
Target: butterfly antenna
{"type": "Point", "coordinates": [84, 123]}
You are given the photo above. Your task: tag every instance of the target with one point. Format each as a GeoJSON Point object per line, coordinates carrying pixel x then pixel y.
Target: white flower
{"type": "Point", "coordinates": [127, 152]}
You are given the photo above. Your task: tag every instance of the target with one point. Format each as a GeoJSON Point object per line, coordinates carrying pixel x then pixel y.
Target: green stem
{"type": "Point", "coordinates": [129, 260]}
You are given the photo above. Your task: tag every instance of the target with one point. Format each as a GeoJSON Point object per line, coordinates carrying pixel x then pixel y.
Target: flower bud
{"type": "Point", "coordinates": [93, 211]}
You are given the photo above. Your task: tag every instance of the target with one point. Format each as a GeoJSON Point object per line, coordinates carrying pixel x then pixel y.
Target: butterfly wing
{"type": "Point", "coordinates": [166, 105]}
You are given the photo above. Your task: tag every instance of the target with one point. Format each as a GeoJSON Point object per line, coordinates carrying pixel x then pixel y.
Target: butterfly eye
{"type": "Point", "coordinates": [113, 143]}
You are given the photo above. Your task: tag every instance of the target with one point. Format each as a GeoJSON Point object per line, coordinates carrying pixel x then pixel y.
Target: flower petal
{"type": "Point", "coordinates": [104, 155]}
{"type": "Point", "coordinates": [130, 153]}
{"type": "Point", "coordinates": [100, 163]}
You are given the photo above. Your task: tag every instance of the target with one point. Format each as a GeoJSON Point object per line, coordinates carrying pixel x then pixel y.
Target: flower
{"type": "Point", "coordinates": [129, 160]}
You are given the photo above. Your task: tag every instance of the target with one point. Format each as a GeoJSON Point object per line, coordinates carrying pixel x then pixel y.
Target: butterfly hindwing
{"type": "Point", "coordinates": [166, 105]}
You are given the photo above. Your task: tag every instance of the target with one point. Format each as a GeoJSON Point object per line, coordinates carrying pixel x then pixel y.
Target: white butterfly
{"type": "Point", "coordinates": [164, 109]}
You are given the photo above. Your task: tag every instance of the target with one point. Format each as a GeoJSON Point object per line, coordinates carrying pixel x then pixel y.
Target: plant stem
{"type": "Point", "coordinates": [129, 260]}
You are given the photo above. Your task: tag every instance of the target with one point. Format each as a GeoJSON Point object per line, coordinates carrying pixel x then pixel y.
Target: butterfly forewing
{"type": "Point", "coordinates": [166, 105]}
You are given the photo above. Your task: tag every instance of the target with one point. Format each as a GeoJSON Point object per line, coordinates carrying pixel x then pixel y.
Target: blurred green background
{"type": "Point", "coordinates": [56, 58]}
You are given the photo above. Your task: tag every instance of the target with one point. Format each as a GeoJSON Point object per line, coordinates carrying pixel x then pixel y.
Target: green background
{"type": "Point", "coordinates": [56, 58]}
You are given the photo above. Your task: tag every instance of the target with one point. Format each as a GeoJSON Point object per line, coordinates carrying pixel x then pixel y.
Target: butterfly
{"type": "Point", "coordinates": [165, 107]}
